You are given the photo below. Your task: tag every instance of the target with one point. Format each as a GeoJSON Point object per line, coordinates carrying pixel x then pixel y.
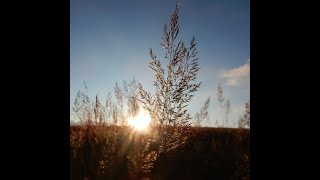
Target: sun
{"type": "Point", "coordinates": [141, 121]}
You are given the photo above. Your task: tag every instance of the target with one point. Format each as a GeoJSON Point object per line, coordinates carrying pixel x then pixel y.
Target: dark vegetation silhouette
{"type": "Point", "coordinates": [244, 121]}
{"type": "Point", "coordinates": [203, 114]}
{"type": "Point", "coordinates": [175, 84]}
{"type": "Point", "coordinates": [104, 146]}
{"type": "Point", "coordinates": [224, 105]}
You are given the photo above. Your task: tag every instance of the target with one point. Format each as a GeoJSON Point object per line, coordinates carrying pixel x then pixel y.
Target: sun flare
{"type": "Point", "coordinates": [141, 121]}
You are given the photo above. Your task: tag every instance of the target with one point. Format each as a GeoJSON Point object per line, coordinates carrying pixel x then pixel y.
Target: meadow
{"type": "Point", "coordinates": [209, 153]}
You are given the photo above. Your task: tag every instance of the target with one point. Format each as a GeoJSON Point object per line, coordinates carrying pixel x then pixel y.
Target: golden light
{"type": "Point", "coordinates": [141, 121]}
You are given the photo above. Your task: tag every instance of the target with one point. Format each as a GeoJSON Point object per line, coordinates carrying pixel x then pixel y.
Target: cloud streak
{"type": "Point", "coordinates": [237, 76]}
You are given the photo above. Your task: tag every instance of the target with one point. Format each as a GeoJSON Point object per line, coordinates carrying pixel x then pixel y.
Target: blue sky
{"type": "Point", "coordinates": [110, 41]}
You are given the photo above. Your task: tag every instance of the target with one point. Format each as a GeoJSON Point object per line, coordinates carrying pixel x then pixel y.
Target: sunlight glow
{"type": "Point", "coordinates": [141, 121]}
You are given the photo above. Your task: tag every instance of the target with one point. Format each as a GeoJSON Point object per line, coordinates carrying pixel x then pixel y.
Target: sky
{"type": "Point", "coordinates": [110, 41]}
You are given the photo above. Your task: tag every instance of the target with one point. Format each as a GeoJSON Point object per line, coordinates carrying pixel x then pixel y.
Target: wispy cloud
{"type": "Point", "coordinates": [237, 76]}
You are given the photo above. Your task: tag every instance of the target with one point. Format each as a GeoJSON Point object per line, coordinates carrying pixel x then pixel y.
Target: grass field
{"type": "Point", "coordinates": [210, 153]}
